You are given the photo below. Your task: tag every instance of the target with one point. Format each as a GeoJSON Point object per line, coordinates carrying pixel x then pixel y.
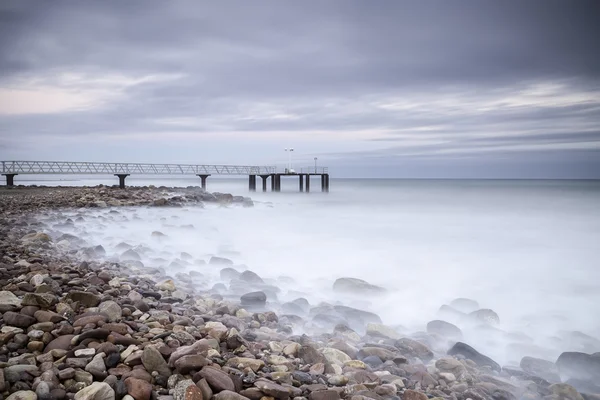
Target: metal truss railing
{"type": "Point", "coordinates": [66, 167]}
{"type": "Point", "coordinates": [314, 170]}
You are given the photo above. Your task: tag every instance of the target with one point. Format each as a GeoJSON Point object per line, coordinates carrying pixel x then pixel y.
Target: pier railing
{"type": "Point", "coordinates": [66, 167]}
{"type": "Point", "coordinates": [314, 170]}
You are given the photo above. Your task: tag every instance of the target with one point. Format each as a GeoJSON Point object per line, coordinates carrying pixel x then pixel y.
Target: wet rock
{"type": "Point", "coordinates": [464, 305]}
{"type": "Point", "coordinates": [412, 348]}
{"type": "Point", "coordinates": [220, 261]}
{"type": "Point", "coordinates": [542, 368]}
{"type": "Point", "coordinates": [444, 329]}
{"type": "Point", "coordinates": [227, 274]}
{"type": "Point", "coordinates": [470, 353]}
{"type": "Point", "coordinates": [250, 277]}
{"type": "Point", "coordinates": [356, 286]}
{"type": "Point", "coordinates": [580, 366]}
{"type": "Point", "coordinates": [253, 299]}
{"type": "Point", "coordinates": [335, 356]}
{"type": "Point", "coordinates": [564, 391]}
{"type": "Point", "coordinates": [380, 330]}
{"type": "Point", "coordinates": [485, 315]}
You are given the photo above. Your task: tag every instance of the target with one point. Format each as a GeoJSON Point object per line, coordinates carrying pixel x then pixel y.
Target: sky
{"type": "Point", "coordinates": [407, 89]}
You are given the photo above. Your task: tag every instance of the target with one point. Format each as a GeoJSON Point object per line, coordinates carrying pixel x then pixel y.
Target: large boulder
{"type": "Point", "coordinates": [467, 351]}
{"type": "Point", "coordinates": [254, 299]}
{"type": "Point", "coordinates": [356, 286]}
{"type": "Point", "coordinates": [464, 305]}
{"type": "Point", "coordinates": [541, 368]}
{"type": "Point", "coordinates": [579, 366]}
{"type": "Point", "coordinates": [413, 349]}
{"type": "Point", "coordinates": [485, 315]}
{"type": "Point", "coordinates": [445, 329]}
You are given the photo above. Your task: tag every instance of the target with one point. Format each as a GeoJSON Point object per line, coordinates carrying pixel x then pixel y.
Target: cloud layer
{"type": "Point", "coordinates": [408, 89]}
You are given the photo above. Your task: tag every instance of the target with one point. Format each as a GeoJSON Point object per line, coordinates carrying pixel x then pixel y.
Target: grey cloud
{"type": "Point", "coordinates": [326, 64]}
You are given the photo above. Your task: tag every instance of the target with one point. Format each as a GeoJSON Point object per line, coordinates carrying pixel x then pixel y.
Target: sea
{"type": "Point", "coordinates": [526, 249]}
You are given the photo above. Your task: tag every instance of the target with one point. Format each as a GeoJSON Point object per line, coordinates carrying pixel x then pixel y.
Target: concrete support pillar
{"type": "Point", "coordinates": [273, 182]}
{"type": "Point", "coordinates": [264, 182]}
{"type": "Point", "coordinates": [301, 182]}
{"type": "Point", "coordinates": [10, 179]}
{"type": "Point", "coordinates": [252, 183]}
{"type": "Point", "coordinates": [307, 183]}
{"type": "Point", "coordinates": [203, 178]}
{"type": "Point", "coordinates": [327, 183]}
{"type": "Point", "coordinates": [322, 182]}
{"type": "Point", "coordinates": [122, 180]}
{"type": "Point", "coordinates": [278, 182]}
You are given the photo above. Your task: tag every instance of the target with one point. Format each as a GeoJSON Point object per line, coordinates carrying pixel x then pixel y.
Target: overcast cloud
{"type": "Point", "coordinates": [386, 88]}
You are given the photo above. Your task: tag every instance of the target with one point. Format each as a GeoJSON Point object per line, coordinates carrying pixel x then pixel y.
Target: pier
{"type": "Point", "coordinates": [10, 169]}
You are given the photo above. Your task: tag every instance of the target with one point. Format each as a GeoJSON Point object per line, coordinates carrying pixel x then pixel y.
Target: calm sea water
{"type": "Point", "coordinates": [526, 249]}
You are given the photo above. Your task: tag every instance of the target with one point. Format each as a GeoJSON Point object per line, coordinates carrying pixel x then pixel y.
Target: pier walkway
{"type": "Point", "coordinates": [10, 169]}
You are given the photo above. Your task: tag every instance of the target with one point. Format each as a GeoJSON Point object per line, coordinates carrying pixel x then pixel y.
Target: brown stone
{"type": "Point", "coordinates": [48, 316]}
{"type": "Point", "coordinates": [190, 363]}
{"type": "Point", "coordinates": [61, 343]}
{"type": "Point", "coordinates": [273, 389]}
{"type": "Point", "coordinates": [217, 379]}
{"type": "Point", "coordinates": [324, 395]}
{"type": "Point", "coordinates": [19, 320]}
{"type": "Point", "coordinates": [91, 319]}
{"type": "Point", "coordinates": [413, 395]}
{"type": "Point", "coordinates": [138, 389]}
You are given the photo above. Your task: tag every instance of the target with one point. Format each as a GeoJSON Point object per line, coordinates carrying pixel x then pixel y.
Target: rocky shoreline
{"type": "Point", "coordinates": [75, 325]}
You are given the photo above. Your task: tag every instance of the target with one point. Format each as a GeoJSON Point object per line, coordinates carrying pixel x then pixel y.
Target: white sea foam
{"type": "Point", "coordinates": [527, 250]}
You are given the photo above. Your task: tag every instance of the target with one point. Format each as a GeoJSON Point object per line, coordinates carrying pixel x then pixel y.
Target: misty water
{"type": "Point", "coordinates": [526, 249]}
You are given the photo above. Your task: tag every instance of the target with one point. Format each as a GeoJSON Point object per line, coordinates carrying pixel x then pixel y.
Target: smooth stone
{"type": "Point", "coordinates": [189, 363]}
{"type": "Point", "coordinates": [412, 348]}
{"type": "Point", "coordinates": [23, 395]}
{"type": "Point", "coordinates": [324, 395]}
{"type": "Point", "coordinates": [87, 299]}
{"type": "Point", "coordinates": [217, 379]}
{"type": "Point", "coordinates": [485, 315]}
{"type": "Point", "coordinates": [154, 361]}
{"type": "Point", "coordinates": [8, 299]}
{"type": "Point", "coordinates": [380, 330]}
{"type": "Point", "coordinates": [470, 353]}
{"type": "Point", "coordinates": [464, 305]}
{"type": "Point", "coordinates": [138, 389]}
{"type": "Point", "coordinates": [229, 395]}
{"type": "Point", "coordinates": [253, 299]}
{"type": "Point", "coordinates": [244, 362]}
{"type": "Point", "coordinates": [19, 320]}
{"type": "Point", "coordinates": [356, 286]}
{"type": "Point", "coordinates": [60, 343]}
{"type": "Point", "coordinates": [111, 309]}
{"type": "Point", "coordinates": [445, 329]}
{"type": "Point", "coordinates": [96, 391]}
{"type": "Point", "coordinates": [410, 394]}
{"type": "Point", "coordinates": [541, 368]}
{"type": "Point", "coordinates": [579, 365]}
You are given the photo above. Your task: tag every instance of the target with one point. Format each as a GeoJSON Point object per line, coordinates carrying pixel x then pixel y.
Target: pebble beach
{"type": "Point", "coordinates": [80, 323]}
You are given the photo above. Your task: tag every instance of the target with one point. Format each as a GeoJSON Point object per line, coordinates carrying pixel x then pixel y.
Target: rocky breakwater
{"type": "Point", "coordinates": [100, 330]}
